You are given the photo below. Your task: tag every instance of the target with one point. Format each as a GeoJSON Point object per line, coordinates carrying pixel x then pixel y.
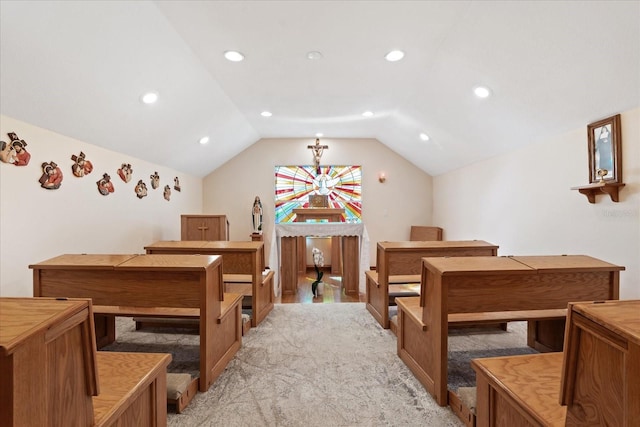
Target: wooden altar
{"type": "Point", "coordinates": [354, 254]}
{"type": "Point", "coordinates": [330, 215]}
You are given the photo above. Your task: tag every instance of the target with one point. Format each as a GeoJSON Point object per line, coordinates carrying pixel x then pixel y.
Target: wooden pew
{"type": "Point", "coordinates": [51, 374]}
{"type": "Point", "coordinates": [243, 262]}
{"type": "Point", "coordinates": [601, 364]}
{"type": "Point", "coordinates": [518, 391]}
{"type": "Point", "coordinates": [133, 389]}
{"type": "Point", "coordinates": [401, 263]}
{"type": "Point", "coordinates": [151, 285]}
{"type": "Point", "coordinates": [594, 382]}
{"type": "Point", "coordinates": [472, 290]}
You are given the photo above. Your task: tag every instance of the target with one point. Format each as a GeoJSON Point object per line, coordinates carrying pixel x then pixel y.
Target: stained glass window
{"type": "Point", "coordinates": [342, 184]}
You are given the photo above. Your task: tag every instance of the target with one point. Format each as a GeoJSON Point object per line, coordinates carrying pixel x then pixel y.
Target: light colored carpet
{"type": "Point", "coordinates": [315, 365]}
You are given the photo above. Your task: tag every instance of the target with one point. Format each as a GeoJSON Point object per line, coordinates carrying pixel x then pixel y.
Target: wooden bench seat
{"type": "Point", "coordinates": [226, 307]}
{"type": "Point", "coordinates": [398, 267]}
{"type": "Point", "coordinates": [244, 270]}
{"type": "Point", "coordinates": [133, 389]}
{"type": "Point", "coordinates": [152, 281]}
{"type": "Point", "coordinates": [524, 390]}
{"type": "Point", "coordinates": [460, 291]}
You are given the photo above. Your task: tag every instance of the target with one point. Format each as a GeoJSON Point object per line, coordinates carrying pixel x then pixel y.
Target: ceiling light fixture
{"type": "Point", "coordinates": [394, 55]}
{"type": "Point", "coordinates": [204, 140]}
{"type": "Point", "coordinates": [424, 136]}
{"type": "Point", "coordinates": [313, 55]}
{"type": "Point", "coordinates": [266, 114]}
{"type": "Point", "coordinates": [149, 97]}
{"type": "Point", "coordinates": [368, 113]}
{"type": "Point", "coordinates": [319, 135]}
{"type": "Point", "coordinates": [482, 91]}
{"type": "Point", "coordinates": [233, 55]}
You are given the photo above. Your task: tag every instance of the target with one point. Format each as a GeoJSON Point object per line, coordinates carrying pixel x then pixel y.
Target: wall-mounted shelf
{"type": "Point", "coordinates": [610, 188]}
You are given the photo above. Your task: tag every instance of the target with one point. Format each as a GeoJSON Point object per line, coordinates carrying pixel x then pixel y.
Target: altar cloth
{"type": "Point", "coordinates": [319, 229]}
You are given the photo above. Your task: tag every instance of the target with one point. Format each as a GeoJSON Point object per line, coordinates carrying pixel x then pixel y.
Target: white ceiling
{"type": "Point", "coordinates": [79, 68]}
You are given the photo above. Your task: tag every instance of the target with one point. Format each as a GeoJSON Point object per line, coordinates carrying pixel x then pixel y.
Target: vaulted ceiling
{"type": "Point", "coordinates": [80, 68]}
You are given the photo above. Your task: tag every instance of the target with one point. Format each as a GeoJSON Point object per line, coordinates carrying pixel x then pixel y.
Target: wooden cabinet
{"type": "Point", "coordinates": [48, 370]}
{"type": "Point", "coordinates": [204, 227]}
{"type": "Point", "coordinates": [601, 366]}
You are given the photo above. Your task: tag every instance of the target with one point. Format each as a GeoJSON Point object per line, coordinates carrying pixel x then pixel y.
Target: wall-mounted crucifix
{"type": "Point", "coordinates": [317, 150]}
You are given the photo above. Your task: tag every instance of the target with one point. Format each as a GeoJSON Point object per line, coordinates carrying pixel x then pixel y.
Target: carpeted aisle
{"type": "Point", "coordinates": [311, 365]}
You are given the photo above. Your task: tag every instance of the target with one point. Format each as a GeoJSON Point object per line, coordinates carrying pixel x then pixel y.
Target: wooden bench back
{"type": "Point", "coordinates": [422, 233]}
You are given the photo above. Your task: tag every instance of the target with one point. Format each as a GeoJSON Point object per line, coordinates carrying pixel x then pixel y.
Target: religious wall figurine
{"type": "Point", "coordinates": [14, 151]}
{"type": "Point", "coordinates": [155, 180]}
{"type": "Point", "coordinates": [125, 172]}
{"type": "Point", "coordinates": [141, 189]}
{"type": "Point", "coordinates": [81, 165]}
{"type": "Point", "coordinates": [176, 184]}
{"type": "Point", "coordinates": [167, 193]}
{"type": "Point", "coordinates": [6, 152]}
{"type": "Point", "coordinates": [51, 178]}
{"type": "Point", "coordinates": [257, 216]}
{"type": "Point", "coordinates": [105, 186]}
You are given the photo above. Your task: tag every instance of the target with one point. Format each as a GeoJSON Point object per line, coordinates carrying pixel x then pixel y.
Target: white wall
{"type": "Point", "coordinates": [522, 201]}
{"type": "Point", "coordinates": [388, 210]}
{"type": "Point", "coordinates": [37, 224]}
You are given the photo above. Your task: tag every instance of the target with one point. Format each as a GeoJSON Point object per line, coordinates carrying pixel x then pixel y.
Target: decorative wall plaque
{"type": "Point", "coordinates": [51, 178]}
{"type": "Point", "coordinates": [141, 189]}
{"type": "Point", "coordinates": [155, 180]}
{"type": "Point", "coordinates": [81, 165]}
{"type": "Point", "coordinates": [125, 172]}
{"type": "Point", "coordinates": [105, 186]}
{"type": "Point", "coordinates": [14, 151]}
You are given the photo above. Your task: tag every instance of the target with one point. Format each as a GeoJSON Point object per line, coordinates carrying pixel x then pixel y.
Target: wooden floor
{"type": "Point", "coordinates": [333, 291]}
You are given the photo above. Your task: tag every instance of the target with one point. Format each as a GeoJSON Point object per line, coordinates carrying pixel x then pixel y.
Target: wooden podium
{"type": "Point", "coordinates": [329, 214]}
{"type": "Point", "coordinates": [204, 227]}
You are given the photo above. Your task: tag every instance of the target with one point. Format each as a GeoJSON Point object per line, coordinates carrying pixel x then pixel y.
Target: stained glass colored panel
{"type": "Point", "coordinates": [294, 184]}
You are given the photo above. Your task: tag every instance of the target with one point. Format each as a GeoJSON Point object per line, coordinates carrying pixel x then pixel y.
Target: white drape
{"type": "Point", "coordinates": [318, 229]}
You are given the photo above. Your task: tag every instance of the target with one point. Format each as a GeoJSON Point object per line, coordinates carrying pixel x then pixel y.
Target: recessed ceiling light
{"type": "Point", "coordinates": [368, 113]}
{"type": "Point", "coordinates": [266, 114]}
{"type": "Point", "coordinates": [314, 55]}
{"type": "Point", "coordinates": [319, 135]}
{"type": "Point", "coordinates": [233, 56]}
{"type": "Point", "coordinates": [424, 136]}
{"type": "Point", "coordinates": [149, 98]}
{"type": "Point", "coordinates": [482, 91]}
{"type": "Point", "coordinates": [394, 55]}
{"type": "Point", "coordinates": [204, 140]}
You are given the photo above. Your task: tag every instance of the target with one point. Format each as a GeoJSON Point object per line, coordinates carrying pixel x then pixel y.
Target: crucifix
{"type": "Point", "coordinates": [317, 150]}
{"type": "Point", "coordinates": [203, 228]}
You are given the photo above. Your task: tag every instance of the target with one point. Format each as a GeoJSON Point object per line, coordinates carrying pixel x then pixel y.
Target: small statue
{"type": "Point", "coordinates": [602, 173]}
{"type": "Point", "coordinates": [257, 216]}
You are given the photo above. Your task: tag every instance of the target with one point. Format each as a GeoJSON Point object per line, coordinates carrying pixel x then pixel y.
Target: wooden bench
{"type": "Point", "coordinates": [242, 262]}
{"type": "Point", "coordinates": [154, 285]}
{"type": "Point", "coordinates": [523, 391]}
{"type": "Point", "coordinates": [472, 290]}
{"type": "Point", "coordinates": [133, 389]}
{"type": "Point", "coordinates": [594, 382]}
{"type": "Point", "coordinates": [52, 375]}
{"type": "Point", "coordinates": [401, 263]}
